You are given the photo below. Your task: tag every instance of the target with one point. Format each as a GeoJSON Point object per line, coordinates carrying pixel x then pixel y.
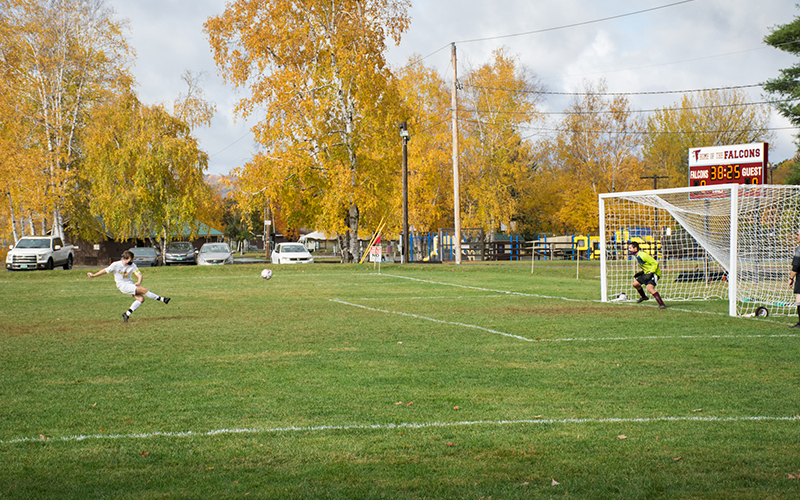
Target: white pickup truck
{"type": "Point", "coordinates": [39, 252]}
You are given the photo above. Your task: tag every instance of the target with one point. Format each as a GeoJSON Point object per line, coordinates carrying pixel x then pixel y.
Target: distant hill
{"type": "Point", "coordinates": [215, 181]}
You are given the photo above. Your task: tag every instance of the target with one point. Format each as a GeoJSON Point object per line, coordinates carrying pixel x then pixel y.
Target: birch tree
{"type": "Point", "coordinates": [60, 56]}
{"type": "Point", "coordinates": [597, 150]}
{"type": "Point", "coordinates": [315, 70]}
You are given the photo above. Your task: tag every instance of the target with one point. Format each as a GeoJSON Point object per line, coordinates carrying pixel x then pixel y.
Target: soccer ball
{"type": "Point", "coordinates": [622, 296]}
{"type": "Point", "coordinates": [266, 274]}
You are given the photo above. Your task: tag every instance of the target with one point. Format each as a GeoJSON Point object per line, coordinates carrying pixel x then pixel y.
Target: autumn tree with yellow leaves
{"type": "Point", "coordinates": [75, 142]}
{"type": "Point", "coordinates": [426, 98]}
{"type": "Point", "coordinates": [57, 59]}
{"type": "Point", "coordinates": [708, 118]}
{"type": "Point", "coordinates": [498, 104]}
{"type": "Point", "coordinates": [497, 166]}
{"type": "Point", "coordinates": [596, 150]}
{"type": "Point", "coordinates": [316, 71]}
{"type": "Point", "coordinates": [142, 174]}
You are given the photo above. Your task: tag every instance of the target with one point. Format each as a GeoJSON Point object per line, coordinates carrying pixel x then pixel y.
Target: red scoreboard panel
{"type": "Point", "coordinates": [740, 164]}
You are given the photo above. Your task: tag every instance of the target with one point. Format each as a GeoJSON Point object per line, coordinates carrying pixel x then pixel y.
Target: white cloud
{"type": "Point", "coordinates": [700, 44]}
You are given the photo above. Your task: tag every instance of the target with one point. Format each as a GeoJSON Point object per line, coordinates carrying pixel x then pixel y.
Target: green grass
{"type": "Point", "coordinates": [245, 388]}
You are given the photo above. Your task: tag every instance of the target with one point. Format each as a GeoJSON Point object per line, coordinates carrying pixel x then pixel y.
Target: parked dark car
{"type": "Point", "coordinates": [180, 252]}
{"type": "Point", "coordinates": [146, 256]}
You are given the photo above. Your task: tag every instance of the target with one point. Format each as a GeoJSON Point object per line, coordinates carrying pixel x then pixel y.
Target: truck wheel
{"type": "Point", "coordinates": [68, 263]}
{"type": "Point", "coordinates": [49, 264]}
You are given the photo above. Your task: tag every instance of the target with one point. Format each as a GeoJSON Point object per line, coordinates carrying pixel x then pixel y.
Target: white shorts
{"type": "Point", "coordinates": [127, 288]}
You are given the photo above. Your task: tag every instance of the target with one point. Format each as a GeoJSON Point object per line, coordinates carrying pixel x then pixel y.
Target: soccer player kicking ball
{"type": "Point", "coordinates": [648, 276]}
{"type": "Point", "coordinates": [123, 270]}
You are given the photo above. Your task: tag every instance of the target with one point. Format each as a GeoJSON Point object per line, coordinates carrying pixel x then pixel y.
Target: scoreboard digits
{"type": "Point", "coordinates": [725, 174]}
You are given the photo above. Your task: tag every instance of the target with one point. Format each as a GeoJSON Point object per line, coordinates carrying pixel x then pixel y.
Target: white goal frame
{"type": "Point", "coordinates": [755, 258]}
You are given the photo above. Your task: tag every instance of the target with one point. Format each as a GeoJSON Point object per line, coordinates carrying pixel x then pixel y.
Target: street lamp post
{"type": "Point", "coordinates": [406, 239]}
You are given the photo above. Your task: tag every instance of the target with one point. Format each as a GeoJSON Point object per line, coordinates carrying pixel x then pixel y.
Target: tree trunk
{"type": "Point", "coordinates": [352, 223]}
{"type": "Point", "coordinates": [13, 218]}
{"type": "Point", "coordinates": [344, 246]}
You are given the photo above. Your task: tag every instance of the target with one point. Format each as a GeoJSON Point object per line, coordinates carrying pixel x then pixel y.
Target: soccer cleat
{"type": "Point", "coordinates": [795, 326]}
{"type": "Point", "coordinates": [641, 299]}
{"type": "Point", "coordinates": [124, 318]}
{"type": "Point", "coordinates": [662, 306]}
{"type": "Point", "coordinates": [166, 300]}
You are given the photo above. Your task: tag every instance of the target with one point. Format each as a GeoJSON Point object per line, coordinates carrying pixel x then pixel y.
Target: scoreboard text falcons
{"type": "Point", "coordinates": [740, 164]}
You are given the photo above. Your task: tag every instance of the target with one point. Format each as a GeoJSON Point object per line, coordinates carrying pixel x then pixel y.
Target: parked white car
{"type": "Point", "coordinates": [291, 253]}
{"type": "Point", "coordinates": [214, 254]}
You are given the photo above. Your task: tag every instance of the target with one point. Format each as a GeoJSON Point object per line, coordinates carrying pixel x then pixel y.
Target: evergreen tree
{"type": "Point", "coordinates": [786, 87]}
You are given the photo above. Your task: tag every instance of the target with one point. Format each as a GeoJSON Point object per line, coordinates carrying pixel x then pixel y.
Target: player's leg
{"type": "Point", "coordinates": [638, 287]}
{"type": "Point", "coordinates": [652, 289]}
{"type": "Point", "coordinates": [150, 295]}
{"type": "Point", "coordinates": [136, 303]}
{"type": "Point", "coordinates": [797, 301]}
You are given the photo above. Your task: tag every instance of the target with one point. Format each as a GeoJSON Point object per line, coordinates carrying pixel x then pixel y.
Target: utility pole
{"type": "Point", "coordinates": [655, 179]}
{"type": "Point", "coordinates": [406, 239]}
{"type": "Point", "coordinates": [456, 188]}
{"type": "Point", "coordinates": [655, 186]}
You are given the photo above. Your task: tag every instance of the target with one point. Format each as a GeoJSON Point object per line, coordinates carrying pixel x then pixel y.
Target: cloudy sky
{"type": "Point", "coordinates": [692, 45]}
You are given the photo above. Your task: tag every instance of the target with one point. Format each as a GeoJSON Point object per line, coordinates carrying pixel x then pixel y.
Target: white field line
{"type": "Point", "coordinates": [568, 299]}
{"type": "Point", "coordinates": [416, 316]}
{"type": "Point", "coordinates": [409, 425]}
{"type": "Point", "coordinates": [567, 339]}
{"type": "Point", "coordinates": [441, 297]}
{"type": "Point", "coordinates": [488, 289]}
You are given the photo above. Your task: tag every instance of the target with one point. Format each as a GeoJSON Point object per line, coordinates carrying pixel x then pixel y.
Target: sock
{"type": "Point", "coordinates": [798, 314]}
{"type": "Point", "coordinates": [658, 298]}
{"type": "Point", "coordinates": [151, 295]}
{"type": "Point", "coordinates": [134, 307]}
{"type": "Point", "coordinates": [641, 292]}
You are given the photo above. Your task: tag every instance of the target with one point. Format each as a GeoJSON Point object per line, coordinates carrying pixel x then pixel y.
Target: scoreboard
{"type": "Point", "coordinates": [739, 164]}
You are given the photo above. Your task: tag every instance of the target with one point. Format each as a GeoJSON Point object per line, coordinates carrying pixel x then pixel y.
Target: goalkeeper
{"type": "Point", "coordinates": [648, 276]}
{"type": "Point", "coordinates": [794, 282]}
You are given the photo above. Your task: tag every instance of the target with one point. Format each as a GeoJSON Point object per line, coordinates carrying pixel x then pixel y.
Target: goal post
{"type": "Point", "coordinates": [730, 242]}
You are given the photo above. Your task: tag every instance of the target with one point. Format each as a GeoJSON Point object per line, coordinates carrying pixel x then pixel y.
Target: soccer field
{"type": "Point", "coordinates": [437, 381]}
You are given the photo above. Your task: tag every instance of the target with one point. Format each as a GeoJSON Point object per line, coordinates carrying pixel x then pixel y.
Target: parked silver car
{"type": "Point", "coordinates": [145, 256]}
{"type": "Point", "coordinates": [214, 254]}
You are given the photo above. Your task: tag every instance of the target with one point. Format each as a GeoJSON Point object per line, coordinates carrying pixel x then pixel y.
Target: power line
{"type": "Point", "coordinates": [632, 132]}
{"type": "Point", "coordinates": [661, 92]}
{"type": "Point", "coordinates": [657, 65]}
{"type": "Point", "coordinates": [575, 24]}
{"type": "Point", "coordinates": [712, 106]}
{"type": "Point", "coordinates": [230, 145]}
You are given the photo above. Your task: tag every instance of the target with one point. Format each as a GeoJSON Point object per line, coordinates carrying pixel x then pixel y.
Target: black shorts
{"type": "Point", "coordinates": [648, 279]}
{"type": "Point", "coordinates": [797, 284]}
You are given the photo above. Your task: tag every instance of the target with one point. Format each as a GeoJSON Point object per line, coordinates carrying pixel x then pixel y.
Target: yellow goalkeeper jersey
{"type": "Point", "coordinates": [648, 263]}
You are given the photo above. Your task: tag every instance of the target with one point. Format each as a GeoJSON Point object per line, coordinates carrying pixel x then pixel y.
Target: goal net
{"type": "Point", "coordinates": [732, 242]}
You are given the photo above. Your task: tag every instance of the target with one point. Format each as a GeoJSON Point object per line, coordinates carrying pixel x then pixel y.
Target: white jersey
{"type": "Point", "coordinates": [123, 274]}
